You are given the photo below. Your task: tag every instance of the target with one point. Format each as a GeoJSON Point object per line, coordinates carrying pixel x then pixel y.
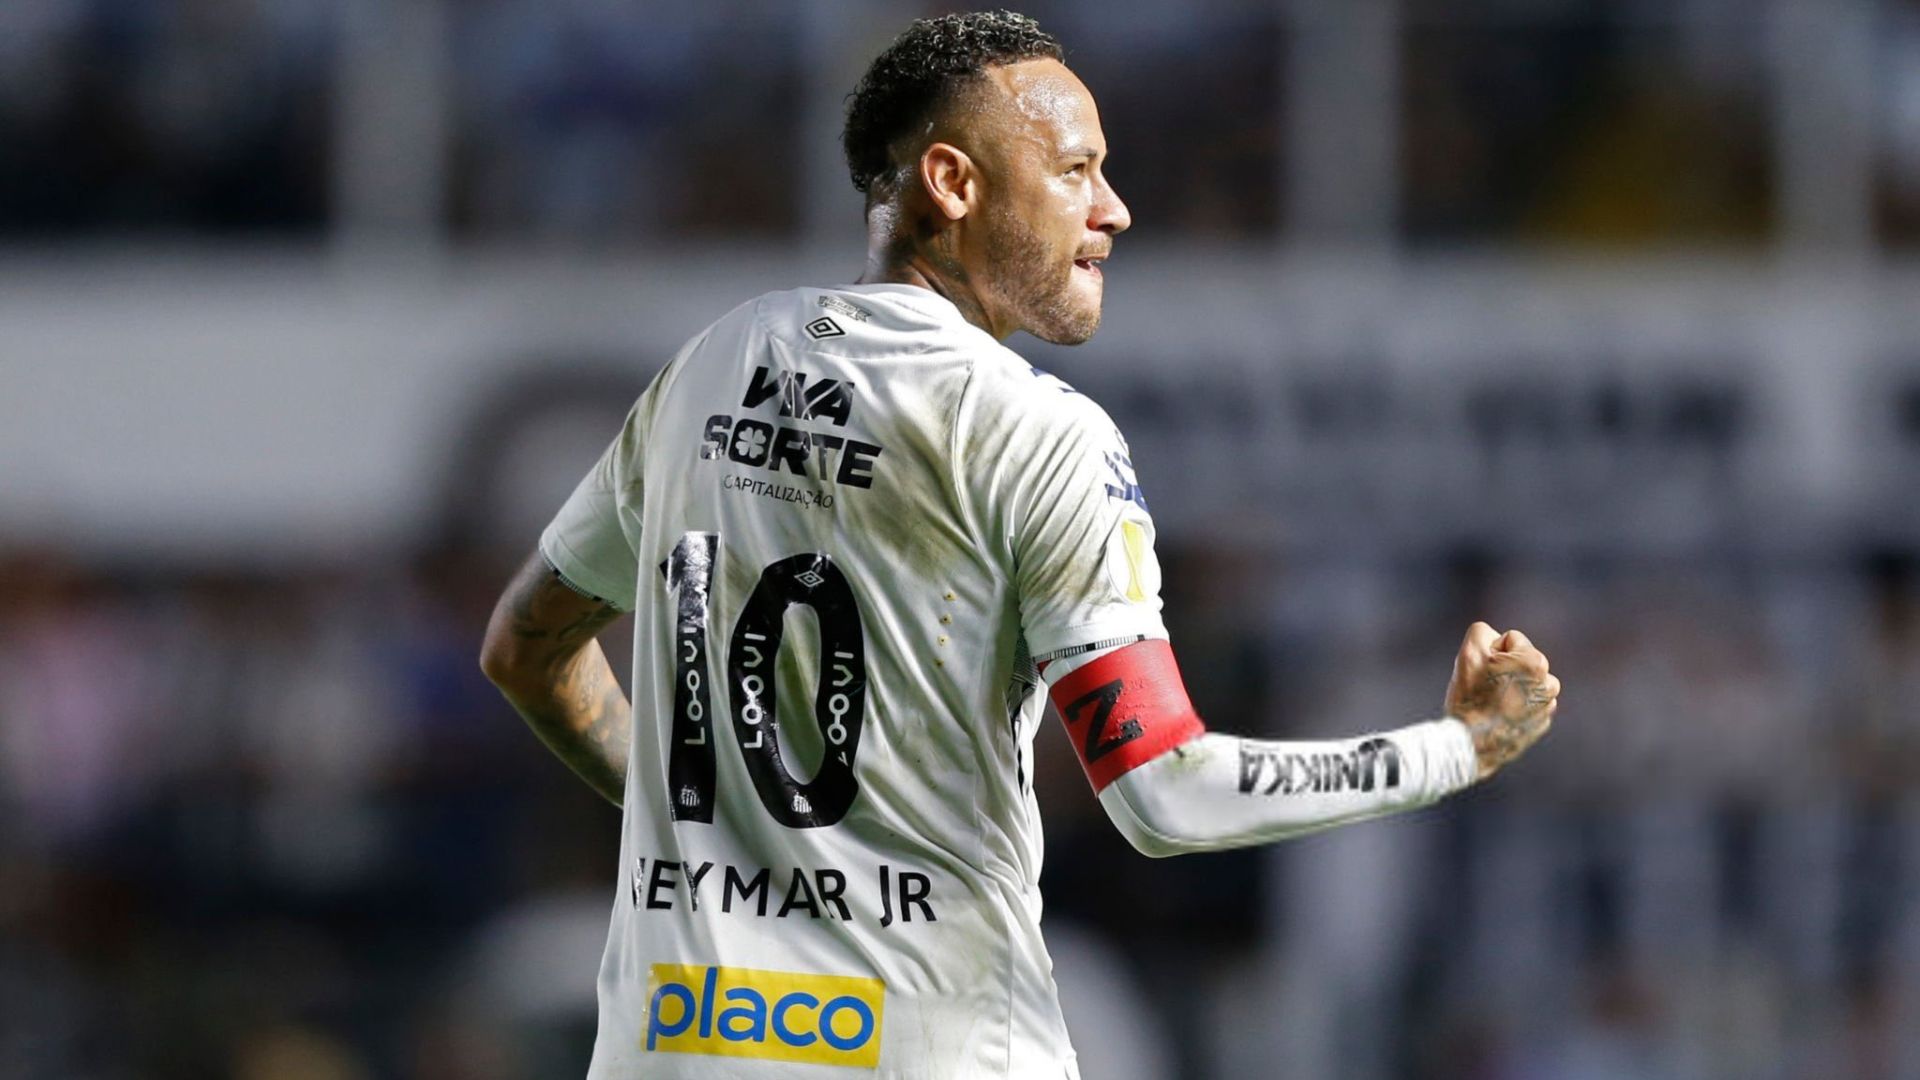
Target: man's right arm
{"type": "Point", "coordinates": [541, 652]}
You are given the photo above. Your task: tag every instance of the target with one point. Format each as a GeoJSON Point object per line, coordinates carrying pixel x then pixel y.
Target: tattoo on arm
{"type": "Point", "coordinates": [598, 722]}
{"type": "Point", "coordinates": [1507, 711]}
{"type": "Point", "coordinates": [537, 596]}
{"type": "Point", "coordinates": [558, 677]}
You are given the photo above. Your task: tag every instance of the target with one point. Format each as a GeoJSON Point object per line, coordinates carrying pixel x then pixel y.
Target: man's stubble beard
{"type": "Point", "coordinates": [1039, 292]}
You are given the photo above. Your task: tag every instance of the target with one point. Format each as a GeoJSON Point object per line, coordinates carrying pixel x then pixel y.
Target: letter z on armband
{"type": "Point", "coordinates": [1125, 709]}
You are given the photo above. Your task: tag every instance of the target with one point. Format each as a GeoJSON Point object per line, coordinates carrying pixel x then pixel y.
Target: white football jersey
{"type": "Point", "coordinates": [848, 524]}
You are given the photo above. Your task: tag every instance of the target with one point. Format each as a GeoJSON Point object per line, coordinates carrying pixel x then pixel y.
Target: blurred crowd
{"type": "Point", "coordinates": [1707, 873]}
{"type": "Point", "coordinates": [277, 825]}
{"type": "Point", "coordinates": [1575, 122]}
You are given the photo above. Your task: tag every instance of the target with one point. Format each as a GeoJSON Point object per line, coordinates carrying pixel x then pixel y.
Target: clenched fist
{"type": "Point", "coordinates": [1501, 690]}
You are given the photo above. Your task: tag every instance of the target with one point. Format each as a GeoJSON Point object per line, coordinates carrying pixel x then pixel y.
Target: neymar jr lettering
{"type": "Point", "coordinates": [760, 892]}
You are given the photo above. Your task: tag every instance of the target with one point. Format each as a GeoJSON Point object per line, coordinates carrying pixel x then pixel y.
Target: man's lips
{"type": "Point", "coordinates": [1090, 263]}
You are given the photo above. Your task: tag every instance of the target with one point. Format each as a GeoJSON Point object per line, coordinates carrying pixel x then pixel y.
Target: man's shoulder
{"type": "Point", "coordinates": [1003, 396]}
{"type": "Point", "coordinates": [1027, 401]}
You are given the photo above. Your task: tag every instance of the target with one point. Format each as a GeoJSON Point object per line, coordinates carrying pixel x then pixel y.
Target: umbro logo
{"type": "Point", "coordinates": [824, 327]}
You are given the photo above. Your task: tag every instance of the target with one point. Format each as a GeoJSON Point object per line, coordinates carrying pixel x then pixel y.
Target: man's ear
{"type": "Point", "coordinates": [949, 178]}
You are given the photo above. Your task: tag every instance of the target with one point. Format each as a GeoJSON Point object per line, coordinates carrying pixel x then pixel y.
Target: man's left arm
{"type": "Point", "coordinates": [1063, 494]}
{"type": "Point", "coordinates": [541, 652]}
{"type": "Point", "coordinates": [1171, 787]}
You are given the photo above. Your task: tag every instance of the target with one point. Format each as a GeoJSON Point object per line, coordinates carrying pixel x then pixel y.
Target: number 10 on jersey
{"type": "Point", "coordinates": [752, 654]}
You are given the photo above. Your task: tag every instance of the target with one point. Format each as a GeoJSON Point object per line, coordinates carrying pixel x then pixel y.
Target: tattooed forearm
{"type": "Point", "coordinates": [541, 652]}
{"type": "Point", "coordinates": [585, 720]}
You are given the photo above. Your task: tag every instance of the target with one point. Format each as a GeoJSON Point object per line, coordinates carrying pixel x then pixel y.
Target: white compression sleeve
{"type": "Point", "coordinates": [1220, 791]}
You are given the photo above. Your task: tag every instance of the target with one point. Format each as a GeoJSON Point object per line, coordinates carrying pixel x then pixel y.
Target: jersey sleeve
{"type": "Point", "coordinates": [592, 542]}
{"type": "Point", "coordinates": [1054, 483]}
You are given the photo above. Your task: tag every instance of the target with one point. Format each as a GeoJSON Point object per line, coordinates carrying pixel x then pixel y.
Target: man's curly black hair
{"type": "Point", "coordinates": [919, 72]}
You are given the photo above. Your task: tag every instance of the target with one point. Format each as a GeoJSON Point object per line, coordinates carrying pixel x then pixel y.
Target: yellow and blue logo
{"type": "Point", "coordinates": [1131, 563]}
{"type": "Point", "coordinates": [773, 1015]}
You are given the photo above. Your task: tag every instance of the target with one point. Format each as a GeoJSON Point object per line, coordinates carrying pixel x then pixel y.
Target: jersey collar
{"type": "Point", "coordinates": [924, 300]}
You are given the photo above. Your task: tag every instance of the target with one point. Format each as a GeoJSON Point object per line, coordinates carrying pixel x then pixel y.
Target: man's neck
{"type": "Point", "coordinates": [933, 266]}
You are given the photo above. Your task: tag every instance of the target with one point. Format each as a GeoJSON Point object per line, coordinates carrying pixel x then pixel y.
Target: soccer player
{"type": "Point", "coordinates": [856, 532]}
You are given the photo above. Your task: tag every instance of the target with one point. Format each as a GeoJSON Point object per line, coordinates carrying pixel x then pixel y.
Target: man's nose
{"type": "Point", "coordinates": [1109, 215]}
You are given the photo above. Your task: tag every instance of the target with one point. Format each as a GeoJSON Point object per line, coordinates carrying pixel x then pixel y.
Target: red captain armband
{"type": "Point", "coordinates": [1125, 709]}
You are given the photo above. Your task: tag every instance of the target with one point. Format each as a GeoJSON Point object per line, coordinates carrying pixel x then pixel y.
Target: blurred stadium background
{"type": "Point", "coordinates": [1597, 318]}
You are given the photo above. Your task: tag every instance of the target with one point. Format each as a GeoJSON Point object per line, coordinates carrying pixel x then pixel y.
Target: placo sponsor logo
{"type": "Point", "coordinates": [772, 1015]}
